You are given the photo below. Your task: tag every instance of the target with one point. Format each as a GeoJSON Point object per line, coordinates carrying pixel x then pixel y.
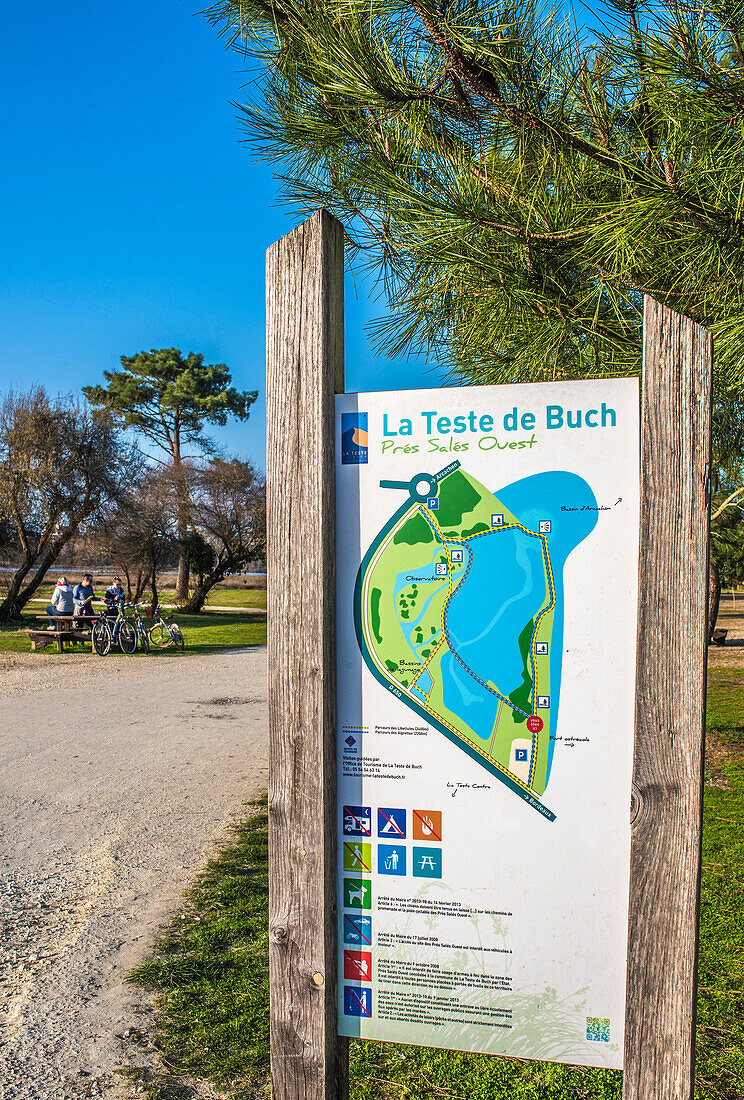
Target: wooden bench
{"type": "Point", "coordinates": [67, 628]}
{"type": "Point", "coordinates": [718, 637]}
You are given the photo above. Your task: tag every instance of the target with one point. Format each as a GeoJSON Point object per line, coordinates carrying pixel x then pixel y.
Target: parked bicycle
{"type": "Point", "coordinates": [164, 632]}
{"type": "Point", "coordinates": [143, 638]}
{"type": "Point", "coordinates": [110, 631]}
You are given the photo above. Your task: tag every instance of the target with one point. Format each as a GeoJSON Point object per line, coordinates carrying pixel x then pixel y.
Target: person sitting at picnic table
{"type": "Point", "coordinates": [62, 601]}
{"type": "Point", "coordinates": [83, 596]}
{"type": "Point", "coordinates": [115, 597]}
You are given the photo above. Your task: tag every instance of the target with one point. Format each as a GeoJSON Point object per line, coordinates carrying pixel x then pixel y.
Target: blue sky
{"type": "Point", "coordinates": [131, 216]}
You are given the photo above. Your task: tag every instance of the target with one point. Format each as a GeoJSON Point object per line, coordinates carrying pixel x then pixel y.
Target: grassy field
{"type": "Point", "coordinates": [231, 597]}
{"type": "Point", "coordinates": [210, 972]}
{"type": "Point", "coordinates": [205, 633]}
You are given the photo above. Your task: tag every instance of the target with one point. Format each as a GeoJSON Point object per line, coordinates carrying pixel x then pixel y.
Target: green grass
{"type": "Point", "coordinates": [721, 967]}
{"type": "Point", "coordinates": [214, 630]}
{"type": "Point", "coordinates": [209, 970]}
{"type": "Point", "coordinates": [206, 633]}
{"type": "Point", "coordinates": [236, 597]}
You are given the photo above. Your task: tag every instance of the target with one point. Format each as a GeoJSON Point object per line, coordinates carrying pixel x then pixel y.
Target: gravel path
{"type": "Point", "coordinates": [107, 812]}
{"type": "Point", "coordinates": [730, 618]}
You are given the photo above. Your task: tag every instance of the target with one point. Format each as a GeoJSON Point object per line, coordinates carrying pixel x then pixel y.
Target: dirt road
{"type": "Point", "coordinates": [117, 776]}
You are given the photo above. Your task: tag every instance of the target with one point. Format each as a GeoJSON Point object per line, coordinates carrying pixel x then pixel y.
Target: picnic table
{"type": "Point", "coordinates": [67, 628]}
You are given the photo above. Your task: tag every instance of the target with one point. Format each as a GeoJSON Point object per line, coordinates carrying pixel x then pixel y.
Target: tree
{"type": "Point", "coordinates": [63, 466]}
{"type": "Point", "coordinates": [169, 399]}
{"type": "Point", "coordinates": [140, 535]}
{"type": "Point", "coordinates": [520, 185]}
{"type": "Point", "coordinates": [229, 516]}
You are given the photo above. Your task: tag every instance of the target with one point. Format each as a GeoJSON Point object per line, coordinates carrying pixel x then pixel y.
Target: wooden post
{"type": "Point", "coordinates": [305, 332]}
{"type": "Point", "coordinates": [670, 707]}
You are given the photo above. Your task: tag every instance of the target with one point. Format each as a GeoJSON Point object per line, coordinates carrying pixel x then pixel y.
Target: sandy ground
{"type": "Point", "coordinates": [107, 813]}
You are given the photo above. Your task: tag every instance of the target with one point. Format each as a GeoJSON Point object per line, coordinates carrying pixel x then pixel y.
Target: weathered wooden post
{"type": "Point", "coordinates": [305, 321]}
{"type": "Point", "coordinates": [670, 709]}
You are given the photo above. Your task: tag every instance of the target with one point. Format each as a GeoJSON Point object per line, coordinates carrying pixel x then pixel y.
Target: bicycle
{"type": "Point", "coordinates": [109, 632]}
{"type": "Point", "coordinates": [143, 640]}
{"type": "Point", "coordinates": [164, 633]}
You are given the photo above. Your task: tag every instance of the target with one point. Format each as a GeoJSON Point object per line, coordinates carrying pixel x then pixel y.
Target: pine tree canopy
{"type": "Point", "coordinates": [169, 397]}
{"type": "Point", "coordinates": [519, 183]}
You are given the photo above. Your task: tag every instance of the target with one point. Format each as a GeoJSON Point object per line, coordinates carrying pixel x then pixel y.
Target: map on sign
{"type": "Point", "coordinates": [459, 612]}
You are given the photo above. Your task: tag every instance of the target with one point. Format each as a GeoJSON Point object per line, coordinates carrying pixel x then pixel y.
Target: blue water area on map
{"type": "Point", "coordinates": [540, 497]}
{"type": "Point", "coordinates": [465, 697]}
{"type": "Point", "coordinates": [424, 684]}
{"type": "Point", "coordinates": [504, 588]}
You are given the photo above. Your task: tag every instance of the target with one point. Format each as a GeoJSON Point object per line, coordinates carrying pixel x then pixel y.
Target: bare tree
{"type": "Point", "coordinates": [141, 535]}
{"type": "Point", "coordinates": [63, 466]}
{"type": "Point", "coordinates": [229, 519]}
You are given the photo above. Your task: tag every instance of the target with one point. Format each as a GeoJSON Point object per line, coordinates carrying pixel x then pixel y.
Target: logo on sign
{"type": "Point", "coordinates": [357, 894]}
{"type": "Point", "coordinates": [357, 1001]}
{"type": "Point", "coordinates": [391, 822]}
{"type": "Point", "coordinates": [354, 446]}
{"type": "Point", "coordinates": [357, 820]}
{"type": "Point", "coordinates": [358, 929]}
{"type": "Point", "coordinates": [358, 857]}
{"type": "Point", "coordinates": [427, 862]}
{"type": "Point", "coordinates": [427, 825]}
{"type": "Point", "coordinates": [358, 965]}
{"type": "Point", "coordinates": [391, 859]}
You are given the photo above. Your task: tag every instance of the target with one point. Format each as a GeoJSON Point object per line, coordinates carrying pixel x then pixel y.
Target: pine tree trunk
{"type": "Point", "coordinates": [714, 596]}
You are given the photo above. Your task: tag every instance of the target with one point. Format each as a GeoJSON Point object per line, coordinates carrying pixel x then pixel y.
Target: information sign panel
{"type": "Point", "coordinates": [487, 565]}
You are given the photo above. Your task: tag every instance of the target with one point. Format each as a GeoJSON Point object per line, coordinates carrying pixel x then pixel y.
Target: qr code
{"type": "Point", "coordinates": [597, 1030]}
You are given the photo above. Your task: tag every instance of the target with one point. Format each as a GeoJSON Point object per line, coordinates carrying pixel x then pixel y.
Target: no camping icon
{"type": "Point", "coordinates": [391, 822]}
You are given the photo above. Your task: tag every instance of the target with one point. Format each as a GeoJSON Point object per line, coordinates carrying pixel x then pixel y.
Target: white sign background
{"type": "Point", "coordinates": [520, 947]}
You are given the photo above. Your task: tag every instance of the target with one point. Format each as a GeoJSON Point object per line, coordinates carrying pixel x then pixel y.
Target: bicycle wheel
{"type": "Point", "coordinates": [127, 637]}
{"type": "Point", "coordinates": [143, 642]}
{"type": "Point", "coordinates": [100, 636]}
{"type": "Point", "coordinates": [177, 636]}
{"type": "Point", "coordinates": [160, 636]}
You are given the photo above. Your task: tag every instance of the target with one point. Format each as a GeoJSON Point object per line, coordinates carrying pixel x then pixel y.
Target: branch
{"type": "Point", "coordinates": [733, 500]}
{"type": "Point", "coordinates": [483, 83]}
